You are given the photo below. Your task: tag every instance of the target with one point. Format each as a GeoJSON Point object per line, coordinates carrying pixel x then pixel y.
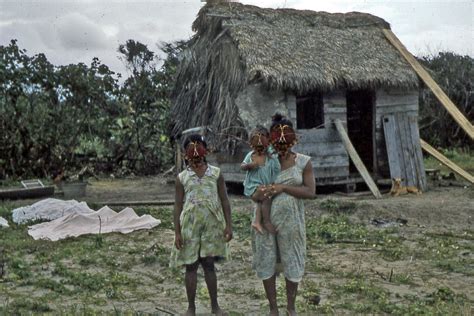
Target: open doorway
{"type": "Point", "coordinates": [309, 111]}
{"type": "Point", "coordinates": [360, 125]}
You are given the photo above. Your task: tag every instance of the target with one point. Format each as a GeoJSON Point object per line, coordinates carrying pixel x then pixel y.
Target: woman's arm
{"type": "Point", "coordinates": [225, 207]}
{"type": "Point", "coordinates": [305, 191]}
{"type": "Point", "coordinates": [178, 208]}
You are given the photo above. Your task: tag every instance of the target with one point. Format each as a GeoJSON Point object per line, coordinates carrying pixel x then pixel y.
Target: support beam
{"type": "Point", "coordinates": [445, 161]}
{"type": "Point", "coordinates": [356, 159]}
{"type": "Point", "coordinates": [438, 92]}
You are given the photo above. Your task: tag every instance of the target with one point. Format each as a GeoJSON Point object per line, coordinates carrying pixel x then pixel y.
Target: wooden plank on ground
{"type": "Point", "coordinates": [356, 159]}
{"type": "Point", "coordinates": [448, 163]}
{"type": "Point", "coordinates": [438, 92]}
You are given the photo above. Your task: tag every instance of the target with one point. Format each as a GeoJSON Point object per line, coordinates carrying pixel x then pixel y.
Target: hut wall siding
{"type": "Point", "coordinates": [324, 145]}
{"type": "Point", "coordinates": [390, 102]}
{"type": "Point", "coordinates": [257, 105]}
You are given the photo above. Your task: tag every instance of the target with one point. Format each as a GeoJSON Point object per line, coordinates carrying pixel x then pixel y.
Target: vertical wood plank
{"type": "Point", "coordinates": [356, 159]}
{"type": "Point", "coordinates": [420, 166]}
{"type": "Point", "coordinates": [391, 143]}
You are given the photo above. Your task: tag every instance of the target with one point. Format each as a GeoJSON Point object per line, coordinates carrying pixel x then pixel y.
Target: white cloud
{"type": "Point", "coordinates": [76, 31]}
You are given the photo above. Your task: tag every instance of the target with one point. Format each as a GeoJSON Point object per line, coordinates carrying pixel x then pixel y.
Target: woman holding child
{"type": "Point", "coordinates": [294, 183]}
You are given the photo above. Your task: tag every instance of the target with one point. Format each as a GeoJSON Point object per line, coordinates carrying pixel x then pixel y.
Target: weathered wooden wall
{"type": "Point", "coordinates": [390, 102]}
{"type": "Point", "coordinates": [329, 158]}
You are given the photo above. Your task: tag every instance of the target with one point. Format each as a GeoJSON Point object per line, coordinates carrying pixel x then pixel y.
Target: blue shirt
{"type": "Point", "coordinates": [261, 175]}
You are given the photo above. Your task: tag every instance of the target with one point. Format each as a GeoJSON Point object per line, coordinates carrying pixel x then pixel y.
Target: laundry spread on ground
{"type": "Point", "coordinates": [103, 221]}
{"type": "Point", "coordinates": [3, 222]}
{"type": "Point", "coordinates": [48, 209]}
{"type": "Point", "coordinates": [72, 218]}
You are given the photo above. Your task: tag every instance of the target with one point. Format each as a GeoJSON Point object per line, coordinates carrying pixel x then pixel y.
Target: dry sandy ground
{"type": "Point", "coordinates": [438, 228]}
{"type": "Point", "coordinates": [443, 210]}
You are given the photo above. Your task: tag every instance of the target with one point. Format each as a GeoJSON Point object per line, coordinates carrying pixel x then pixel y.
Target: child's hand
{"type": "Point", "coordinates": [228, 233]}
{"type": "Point", "coordinates": [273, 189]}
{"type": "Point", "coordinates": [178, 241]}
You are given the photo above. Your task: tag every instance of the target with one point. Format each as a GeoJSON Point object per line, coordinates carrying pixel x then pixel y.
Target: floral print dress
{"type": "Point", "coordinates": [202, 219]}
{"type": "Point", "coordinates": [285, 251]}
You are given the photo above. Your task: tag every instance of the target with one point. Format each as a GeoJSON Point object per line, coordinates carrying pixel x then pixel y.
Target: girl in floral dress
{"type": "Point", "coordinates": [202, 221]}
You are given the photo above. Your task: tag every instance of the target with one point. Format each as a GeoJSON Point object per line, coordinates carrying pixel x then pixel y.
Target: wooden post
{"type": "Point", "coordinates": [445, 161]}
{"type": "Point", "coordinates": [356, 159]}
{"type": "Point", "coordinates": [438, 92]}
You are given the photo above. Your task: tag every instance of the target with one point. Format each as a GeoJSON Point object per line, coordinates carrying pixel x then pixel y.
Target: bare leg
{"type": "Point", "coordinates": [257, 223]}
{"type": "Point", "coordinates": [211, 282]}
{"type": "Point", "coordinates": [291, 291]}
{"type": "Point", "coordinates": [190, 281]}
{"type": "Point", "coordinates": [270, 290]}
{"type": "Point", "coordinates": [267, 224]}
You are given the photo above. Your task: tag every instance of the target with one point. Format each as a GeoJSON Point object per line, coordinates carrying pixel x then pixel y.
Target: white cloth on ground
{"type": "Point", "coordinates": [3, 222]}
{"type": "Point", "coordinates": [104, 220]}
{"type": "Point", "coordinates": [48, 209]}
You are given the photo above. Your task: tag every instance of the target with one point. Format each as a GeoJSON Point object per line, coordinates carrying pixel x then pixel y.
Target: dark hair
{"type": "Point", "coordinates": [194, 138]}
{"type": "Point", "coordinates": [259, 129]}
{"type": "Point", "coordinates": [279, 119]}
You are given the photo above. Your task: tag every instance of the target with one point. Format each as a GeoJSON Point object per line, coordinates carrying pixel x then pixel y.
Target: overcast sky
{"type": "Point", "coordinates": [77, 31]}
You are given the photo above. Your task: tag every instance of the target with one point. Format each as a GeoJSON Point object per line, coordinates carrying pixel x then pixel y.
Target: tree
{"type": "Point", "coordinates": [455, 74]}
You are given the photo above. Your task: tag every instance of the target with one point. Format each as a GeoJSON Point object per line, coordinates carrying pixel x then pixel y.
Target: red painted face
{"type": "Point", "coordinates": [195, 153]}
{"type": "Point", "coordinates": [259, 142]}
{"type": "Point", "coordinates": [282, 137]}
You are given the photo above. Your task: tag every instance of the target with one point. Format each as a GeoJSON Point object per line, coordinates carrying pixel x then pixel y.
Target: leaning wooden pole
{"type": "Point", "coordinates": [445, 161]}
{"type": "Point", "coordinates": [438, 92]}
{"type": "Point", "coordinates": [356, 159]}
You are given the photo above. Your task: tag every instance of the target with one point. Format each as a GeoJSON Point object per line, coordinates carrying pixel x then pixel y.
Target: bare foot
{"type": "Point", "coordinates": [270, 228]}
{"type": "Point", "coordinates": [274, 312]}
{"type": "Point", "coordinates": [190, 312]}
{"type": "Point", "coordinates": [291, 312]}
{"type": "Point", "coordinates": [219, 312]}
{"type": "Point", "coordinates": [258, 227]}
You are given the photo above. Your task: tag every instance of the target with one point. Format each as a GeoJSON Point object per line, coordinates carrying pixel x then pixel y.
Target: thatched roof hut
{"type": "Point", "coordinates": [286, 49]}
{"type": "Point", "coordinates": [291, 52]}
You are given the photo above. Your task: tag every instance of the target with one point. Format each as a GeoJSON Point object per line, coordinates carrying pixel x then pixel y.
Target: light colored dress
{"type": "Point", "coordinates": [262, 175]}
{"type": "Point", "coordinates": [288, 246]}
{"type": "Point", "coordinates": [202, 219]}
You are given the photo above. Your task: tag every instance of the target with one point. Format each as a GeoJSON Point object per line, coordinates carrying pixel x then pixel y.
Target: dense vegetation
{"type": "Point", "coordinates": [455, 75]}
{"type": "Point", "coordinates": [55, 118]}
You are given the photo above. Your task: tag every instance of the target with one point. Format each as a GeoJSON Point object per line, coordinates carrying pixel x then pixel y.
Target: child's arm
{"type": "Point", "coordinates": [178, 208]}
{"type": "Point", "coordinates": [225, 207]}
{"type": "Point", "coordinates": [248, 166]}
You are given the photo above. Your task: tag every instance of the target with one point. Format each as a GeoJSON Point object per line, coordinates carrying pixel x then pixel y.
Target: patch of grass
{"type": "Point", "coordinates": [402, 278]}
{"type": "Point", "coordinates": [241, 225]}
{"type": "Point", "coordinates": [52, 285]}
{"type": "Point", "coordinates": [164, 214]}
{"type": "Point", "coordinates": [338, 207]}
{"type": "Point", "coordinates": [457, 265]}
{"type": "Point", "coordinates": [20, 306]}
{"type": "Point", "coordinates": [463, 157]}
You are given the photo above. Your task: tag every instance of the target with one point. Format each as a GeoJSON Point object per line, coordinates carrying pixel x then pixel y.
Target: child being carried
{"type": "Point", "coordinates": [262, 167]}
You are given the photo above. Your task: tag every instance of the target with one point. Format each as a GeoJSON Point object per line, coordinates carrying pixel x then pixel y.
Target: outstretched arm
{"type": "Point", "coordinates": [178, 208]}
{"type": "Point", "coordinates": [221, 188]}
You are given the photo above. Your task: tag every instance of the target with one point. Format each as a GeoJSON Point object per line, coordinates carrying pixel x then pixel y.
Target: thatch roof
{"type": "Point", "coordinates": [285, 49]}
